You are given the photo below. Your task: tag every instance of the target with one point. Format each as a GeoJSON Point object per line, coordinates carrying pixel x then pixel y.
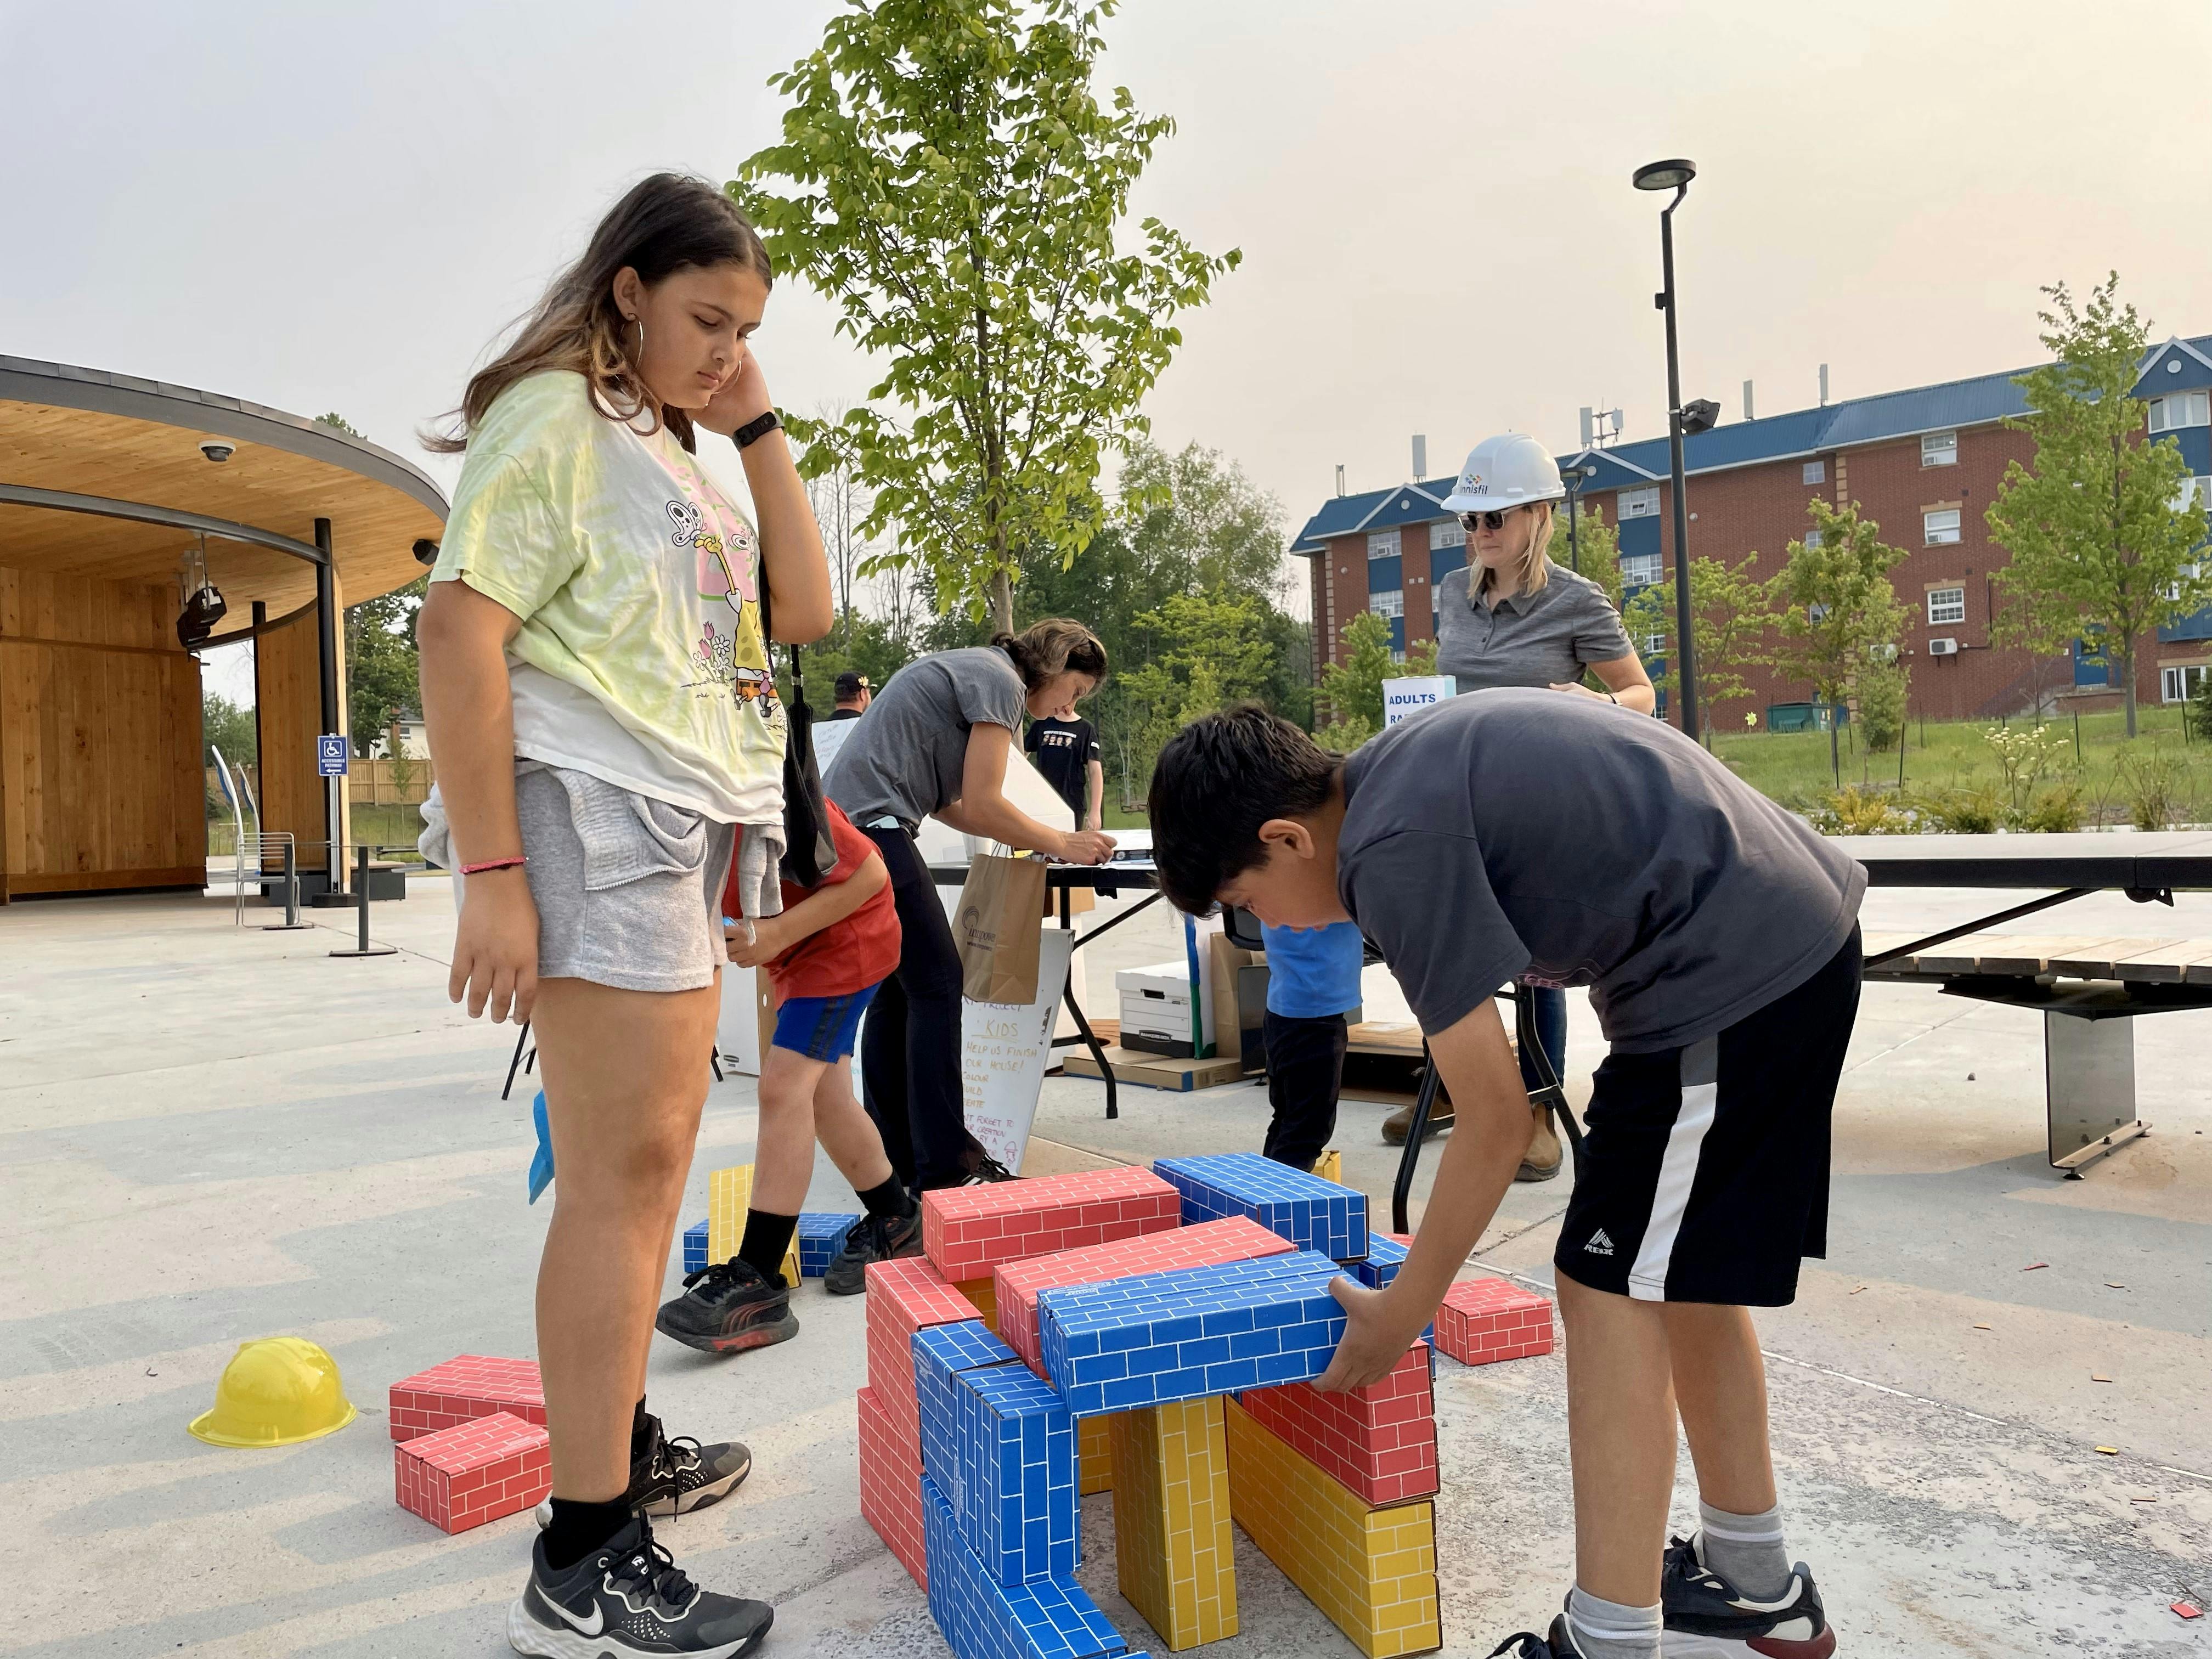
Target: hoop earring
{"type": "Point", "coordinates": [639, 321]}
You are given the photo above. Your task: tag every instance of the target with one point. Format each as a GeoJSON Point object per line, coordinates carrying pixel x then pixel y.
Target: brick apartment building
{"type": "Point", "coordinates": [1923, 464]}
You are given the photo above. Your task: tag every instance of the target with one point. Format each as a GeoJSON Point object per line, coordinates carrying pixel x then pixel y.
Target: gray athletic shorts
{"type": "Point", "coordinates": [628, 890]}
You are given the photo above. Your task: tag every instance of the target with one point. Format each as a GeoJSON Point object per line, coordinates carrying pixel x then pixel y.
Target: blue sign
{"type": "Point", "coordinates": [331, 755]}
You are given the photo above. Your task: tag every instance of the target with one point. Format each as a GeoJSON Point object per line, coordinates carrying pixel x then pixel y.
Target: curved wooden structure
{"type": "Point", "coordinates": [104, 487]}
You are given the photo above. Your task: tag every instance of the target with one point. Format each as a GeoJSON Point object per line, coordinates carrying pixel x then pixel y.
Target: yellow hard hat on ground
{"type": "Point", "coordinates": [276, 1391]}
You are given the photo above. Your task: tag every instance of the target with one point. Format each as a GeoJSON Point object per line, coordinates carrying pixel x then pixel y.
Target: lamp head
{"type": "Point", "coordinates": [1699, 415]}
{"type": "Point", "coordinates": [1665, 175]}
{"type": "Point", "coordinates": [425, 550]}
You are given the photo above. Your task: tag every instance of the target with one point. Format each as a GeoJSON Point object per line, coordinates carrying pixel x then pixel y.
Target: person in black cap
{"type": "Point", "coordinates": [853, 692]}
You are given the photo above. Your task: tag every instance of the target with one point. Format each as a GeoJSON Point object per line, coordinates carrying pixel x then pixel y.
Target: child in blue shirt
{"type": "Point", "coordinates": [1313, 982]}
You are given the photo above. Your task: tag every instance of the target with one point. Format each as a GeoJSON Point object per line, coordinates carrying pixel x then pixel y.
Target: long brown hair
{"type": "Point", "coordinates": [665, 223]}
{"type": "Point", "coordinates": [1055, 646]}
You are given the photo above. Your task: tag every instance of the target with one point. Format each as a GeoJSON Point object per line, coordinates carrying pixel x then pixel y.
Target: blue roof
{"type": "Point", "coordinates": [1888, 414]}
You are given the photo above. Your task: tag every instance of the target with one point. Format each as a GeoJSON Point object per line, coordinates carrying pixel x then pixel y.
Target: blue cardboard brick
{"type": "Point", "coordinates": [1018, 1475]}
{"type": "Point", "coordinates": [695, 1246]}
{"type": "Point", "coordinates": [1314, 1214]}
{"type": "Point", "coordinates": [940, 1353]}
{"type": "Point", "coordinates": [821, 1235]}
{"type": "Point", "coordinates": [1385, 1255]}
{"type": "Point", "coordinates": [1051, 1618]}
{"type": "Point", "coordinates": [1155, 1337]}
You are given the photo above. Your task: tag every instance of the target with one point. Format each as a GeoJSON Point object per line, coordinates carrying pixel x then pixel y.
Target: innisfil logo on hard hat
{"type": "Point", "coordinates": [1470, 480]}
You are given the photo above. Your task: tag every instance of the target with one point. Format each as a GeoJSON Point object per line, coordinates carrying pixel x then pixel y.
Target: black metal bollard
{"type": "Point", "coordinates": [360, 908]}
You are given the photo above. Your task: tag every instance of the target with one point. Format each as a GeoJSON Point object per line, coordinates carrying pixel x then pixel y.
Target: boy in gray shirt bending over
{"type": "Point", "coordinates": [1526, 836]}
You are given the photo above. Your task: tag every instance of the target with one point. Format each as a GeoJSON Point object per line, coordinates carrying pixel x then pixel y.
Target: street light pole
{"type": "Point", "coordinates": [1675, 176]}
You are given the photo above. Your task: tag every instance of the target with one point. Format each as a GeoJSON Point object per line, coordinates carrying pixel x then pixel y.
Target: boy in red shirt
{"type": "Point", "coordinates": [826, 954]}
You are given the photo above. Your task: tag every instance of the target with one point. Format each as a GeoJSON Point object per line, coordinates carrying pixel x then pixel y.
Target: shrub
{"type": "Point", "coordinates": [1963, 811]}
{"type": "Point", "coordinates": [2058, 809]}
{"type": "Point", "coordinates": [1881, 708]}
{"type": "Point", "coordinates": [2154, 785]}
{"type": "Point", "coordinates": [1857, 812]}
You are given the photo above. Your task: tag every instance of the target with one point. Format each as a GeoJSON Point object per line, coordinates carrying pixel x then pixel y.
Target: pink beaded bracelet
{"type": "Point", "coordinates": [492, 863]}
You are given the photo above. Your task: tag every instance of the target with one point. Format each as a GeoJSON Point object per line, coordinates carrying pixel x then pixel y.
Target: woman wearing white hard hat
{"type": "Point", "coordinates": [1512, 616]}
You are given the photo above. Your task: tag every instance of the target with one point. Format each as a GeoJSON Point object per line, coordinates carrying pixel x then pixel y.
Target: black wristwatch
{"type": "Point", "coordinates": [757, 428]}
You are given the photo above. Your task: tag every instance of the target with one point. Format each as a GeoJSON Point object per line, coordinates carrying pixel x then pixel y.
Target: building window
{"type": "Point", "coordinates": [1389, 603]}
{"type": "Point", "coordinates": [1939, 449]}
{"type": "Point", "coordinates": [2188, 573]}
{"type": "Point", "coordinates": [2178, 409]}
{"type": "Point", "coordinates": [1651, 645]}
{"type": "Point", "coordinates": [1636, 504]}
{"type": "Point", "coordinates": [2180, 684]}
{"type": "Point", "coordinates": [1947, 606]}
{"type": "Point", "coordinates": [1641, 570]}
{"type": "Point", "coordinates": [1813, 538]}
{"type": "Point", "coordinates": [1446, 532]}
{"type": "Point", "coordinates": [1382, 543]}
{"type": "Point", "coordinates": [2192, 491]}
{"type": "Point", "coordinates": [1816, 472]}
{"type": "Point", "coordinates": [1941, 527]}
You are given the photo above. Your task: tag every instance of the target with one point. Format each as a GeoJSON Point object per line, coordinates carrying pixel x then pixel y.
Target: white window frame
{"type": "Point", "coordinates": [1812, 538]}
{"type": "Point", "coordinates": [1946, 607]}
{"type": "Point", "coordinates": [2190, 572]}
{"type": "Point", "coordinates": [1651, 645]}
{"type": "Point", "coordinates": [1382, 544]}
{"type": "Point", "coordinates": [1642, 503]}
{"type": "Point", "coordinates": [1814, 473]}
{"type": "Point", "coordinates": [2192, 491]}
{"type": "Point", "coordinates": [1939, 449]}
{"type": "Point", "coordinates": [1389, 602]}
{"type": "Point", "coordinates": [1446, 532]}
{"type": "Point", "coordinates": [2177, 409]}
{"type": "Point", "coordinates": [1642, 570]}
{"type": "Point", "coordinates": [1935, 534]}
{"type": "Point", "coordinates": [2179, 683]}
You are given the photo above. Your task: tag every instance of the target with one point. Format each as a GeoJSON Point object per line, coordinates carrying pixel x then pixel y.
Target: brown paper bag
{"type": "Point", "coordinates": [996, 928]}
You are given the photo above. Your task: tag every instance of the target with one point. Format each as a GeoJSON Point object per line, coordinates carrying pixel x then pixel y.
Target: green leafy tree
{"type": "Point", "coordinates": [338, 422]}
{"type": "Point", "coordinates": [2045, 624]}
{"type": "Point", "coordinates": [1596, 548]}
{"type": "Point", "coordinates": [1213, 651]}
{"type": "Point", "coordinates": [227, 726]}
{"type": "Point", "coordinates": [1732, 613]}
{"type": "Point", "coordinates": [1353, 690]}
{"type": "Point", "coordinates": [950, 180]}
{"type": "Point", "coordinates": [382, 666]}
{"type": "Point", "coordinates": [1839, 616]}
{"type": "Point", "coordinates": [2103, 524]}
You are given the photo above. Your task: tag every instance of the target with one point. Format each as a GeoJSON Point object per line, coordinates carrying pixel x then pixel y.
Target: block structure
{"type": "Point", "coordinates": [1379, 1442]}
{"type": "Point", "coordinates": [1331, 1166]}
{"type": "Point", "coordinates": [940, 1354]}
{"type": "Point", "coordinates": [891, 1486]}
{"type": "Point", "coordinates": [1147, 1341]}
{"type": "Point", "coordinates": [695, 1246]}
{"type": "Point", "coordinates": [463, 1390]}
{"type": "Point", "coordinates": [1386, 1254]}
{"type": "Point", "coordinates": [481, 1470]}
{"type": "Point", "coordinates": [983, 1295]}
{"type": "Point", "coordinates": [821, 1235]}
{"type": "Point", "coordinates": [1483, 1320]}
{"type": "Point", "coordinates": [905, 1296]}
{"type": "Point", "coordinates": [1314, 1214]}
{"type": "Point", "coordinates": [1094, 1453]}
{"type": "Point", "coordinates": [983, 1619]}
{"type": "Point", "coordinates": [1174, 1546]}
{"type": "Point", "coordinates": [1239, 1239]}
{"type": "Point", "coordinates": [967, 1231]}
{"type": "Point", "coordinates": [1017, 1452]}
{"type": "Point", "coordinates": [1372, 1570]}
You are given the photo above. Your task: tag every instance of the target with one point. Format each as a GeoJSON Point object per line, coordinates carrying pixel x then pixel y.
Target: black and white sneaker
{"type": "Point", "coordinates": [872, 1238]}
{"type": "Point", "coordinates": [1707, 1618]}
{"type": "Point", "coordinates": [674, 1477]}
{"type": "Point", "coordinates": [728, 1307]}
{"type": "Point", "coordinates": [1527, 1645]}
{"type": "Point", "coordinates": [988, 1171]}
{"type": "Point", "coordinates": [628, 1597]}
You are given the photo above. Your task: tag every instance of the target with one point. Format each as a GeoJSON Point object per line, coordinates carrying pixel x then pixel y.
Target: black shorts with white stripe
{"type": "Point", "coordinates": [1704, 1172]}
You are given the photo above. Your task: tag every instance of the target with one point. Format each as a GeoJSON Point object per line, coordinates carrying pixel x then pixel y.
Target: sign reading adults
{"type": "Point", "coordinates": [331, 755]}
{"type": "Point", "coordinates": [1410, 696]}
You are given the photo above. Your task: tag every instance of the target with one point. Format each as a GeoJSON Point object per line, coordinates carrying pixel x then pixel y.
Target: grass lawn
{"type": "Point", "coordinates": [391, 827]}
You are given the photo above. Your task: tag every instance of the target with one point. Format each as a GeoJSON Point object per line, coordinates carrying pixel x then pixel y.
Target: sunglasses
{"type": "Point", "coordinates": [1473, 521]}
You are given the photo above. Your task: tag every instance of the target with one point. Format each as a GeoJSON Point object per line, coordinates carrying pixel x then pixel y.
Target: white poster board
{"type": "Point", "coordinates": [1409, 696]}
{"type": "Point", "coordinates": [1004, 1049]}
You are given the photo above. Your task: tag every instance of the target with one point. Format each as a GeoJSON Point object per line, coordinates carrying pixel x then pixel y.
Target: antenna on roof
{"type": "Point", "coordinates": [1748, 415]}
{"type": "Point", "coordinates": [1586, 426]}
{"type": "Point", "coordinates": [1824, 385]}
{"type": "Point", "coordinates": [1420, 457]}
{"type": "Point", "coordinates": [1340, 478]}
{"type": "Point", "coordinates": [1601, 427]}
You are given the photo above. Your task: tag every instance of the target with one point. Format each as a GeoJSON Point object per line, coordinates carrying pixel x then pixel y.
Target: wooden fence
{"type": "Point", "coordinates": [369, 782]}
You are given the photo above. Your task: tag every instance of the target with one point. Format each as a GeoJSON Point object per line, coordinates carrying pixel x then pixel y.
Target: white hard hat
{"type": "Point", "coordinates": [1511, 470]}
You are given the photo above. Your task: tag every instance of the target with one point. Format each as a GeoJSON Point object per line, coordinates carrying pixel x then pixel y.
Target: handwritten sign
{"type": "Point", "coordinates": [1410, 696]}
{"type": "Point", "coordinates": [1003, 1051]}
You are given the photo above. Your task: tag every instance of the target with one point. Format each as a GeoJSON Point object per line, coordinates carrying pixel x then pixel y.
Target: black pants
{"type": "Point", "coordinates": [1305, 1069]}
{"type": "Point", "coordinates": [910, 1046]}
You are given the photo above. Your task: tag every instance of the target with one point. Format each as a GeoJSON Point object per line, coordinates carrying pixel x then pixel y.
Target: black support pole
{"type": "Point", "coordinates": [1686, 663]}
{"type": "Point", "coordinates": [326, 651]}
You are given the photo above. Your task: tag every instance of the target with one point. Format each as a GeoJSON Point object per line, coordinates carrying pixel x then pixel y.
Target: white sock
{"type": "Point", "coordinates": [1745, 1550]}
{"type": "Point", "coordinates": [1607, 1630]}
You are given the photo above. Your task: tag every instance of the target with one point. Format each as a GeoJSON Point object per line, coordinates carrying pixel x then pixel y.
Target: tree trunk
{"type": "Point", "coordinates": [1002, 603]}
{"type": "Point", "coordinates": [2127, 666]}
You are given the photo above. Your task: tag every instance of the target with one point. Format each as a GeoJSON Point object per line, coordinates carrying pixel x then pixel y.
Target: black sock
{"type": "Point", "coordinates": [768, 1237]}
{"type": "Point", "coordinates": [891, 1200]}
{"type": "Point", "coordinates": [641, 1430]}
{"type": "Point", "coordinates": [579, 1529]}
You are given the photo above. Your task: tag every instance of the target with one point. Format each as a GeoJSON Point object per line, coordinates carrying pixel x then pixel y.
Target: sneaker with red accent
{"type": "Point", "coordinates": [727, 1308]}
{"type": "Point", "coordinates": [1706, 1617]}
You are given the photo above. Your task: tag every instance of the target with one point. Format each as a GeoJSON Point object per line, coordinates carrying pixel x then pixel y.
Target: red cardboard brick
{"type": "Point", "coordinates": [905, 1296]}
{"type": "Point", "coordinates": [1486, 1320]}
{"type": "Point", "coordinates": [891, 1486]}
{"type": "Point", "coordinates": [474, 1472]}
{"type": "Point", "coordinates": [1379, 1442]}
{"type": "Point", "coordinates": [1239, 1239]}
{"type": "Point", "coordinates": [463, 1390]}
{"type": "Point", "coordinates": [967, 1231]}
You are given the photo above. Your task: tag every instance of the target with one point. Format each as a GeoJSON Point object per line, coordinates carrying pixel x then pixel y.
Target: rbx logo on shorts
{"type": "Point", "coordinates": [1599, 1244]}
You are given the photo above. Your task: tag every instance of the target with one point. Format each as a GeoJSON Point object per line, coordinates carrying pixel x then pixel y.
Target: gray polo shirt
{"type": "Point", "coordinates": [1544, 638]}
{"type": "Point", "coordinates": [1533, 836]}
{"type": "Point", "coordinates": [904, 757]}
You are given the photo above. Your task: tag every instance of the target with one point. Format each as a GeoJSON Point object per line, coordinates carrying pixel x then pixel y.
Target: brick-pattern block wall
{"type": "Point", "coordinates": [1378, 1442]}
{"type": "Point", "coordinates": [1016, 1451]}
{"type": "Point", "coordinates": [891, 1486]}
{"type": "Point", "coordinates": [474, 1472]}
{"type": "Point", "coordinates": [981, 1619]}
{"type": "Point", "coordinates": [1483, 1320]}
{"type": "Point", "coordinates": [968, 1231]}
{"type": "Point", "coordinates": [1174, 1545]}
{"type": "Point", "coordinates": [905, 1296]}
{"type": "Point", "coordinates": [1314, 1214]}
{"type": "Point", "coordinates": [463, 1388]}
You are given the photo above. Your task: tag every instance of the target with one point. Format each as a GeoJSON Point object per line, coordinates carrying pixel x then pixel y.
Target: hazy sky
{"type": "Point", "coordinates": [322, 207]}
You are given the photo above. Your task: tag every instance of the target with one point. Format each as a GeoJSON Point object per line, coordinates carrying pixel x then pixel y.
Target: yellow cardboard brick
{"type": "Point", "coordinates": [1373, 1572]}
{"type": "Point", "coordinates": [1094, 1449]}
{"type": "Point", "coordinates": [1174, 1547]}
{"type": "Point", "coordinates": [729, 1195]}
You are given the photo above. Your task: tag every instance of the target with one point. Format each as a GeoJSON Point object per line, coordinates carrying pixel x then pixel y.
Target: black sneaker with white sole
{"type": "Point", "coordinates": [989, 1171]}
{"type": "Point", "coordinates": [728, 1307]}
{"type": "Point", "coordinates": [872, 1238]}
{"type": "Point", "coordinates": [1527, 1645]}
{"type": "Point", "coordinates": [1708, 1618]}
{"type": "Point", "coordinates": [675, 1477]}
{"type": "Point", "coordinates": [628, 1598]}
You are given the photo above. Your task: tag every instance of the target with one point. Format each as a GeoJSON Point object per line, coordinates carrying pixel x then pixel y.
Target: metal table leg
{"type": "Point", "coordinates": [2090, 1087]}
{"type": "Point", "coordinates": [515, 1065]}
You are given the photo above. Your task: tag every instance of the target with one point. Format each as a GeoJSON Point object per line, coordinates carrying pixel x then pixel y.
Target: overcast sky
{"type": "Point", "coordinates": [326, 208]}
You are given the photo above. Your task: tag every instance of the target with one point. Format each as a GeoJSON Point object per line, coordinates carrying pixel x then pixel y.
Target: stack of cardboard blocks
{"type": "Point", "coordinates": [821, 1235]}
{"type": "Point", "coordinates": [472, 1443]}
{"type": "Point", "coordinates": [1186, 1312]}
